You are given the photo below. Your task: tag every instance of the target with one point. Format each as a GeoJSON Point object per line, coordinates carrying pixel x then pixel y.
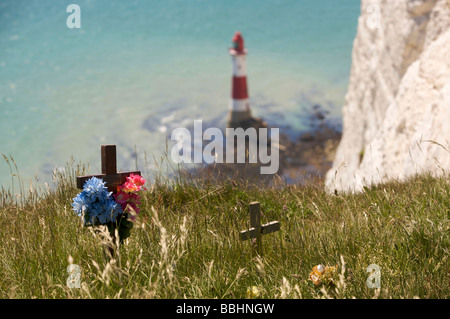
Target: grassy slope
{"type": "Point", "coordinates": [185, 242]}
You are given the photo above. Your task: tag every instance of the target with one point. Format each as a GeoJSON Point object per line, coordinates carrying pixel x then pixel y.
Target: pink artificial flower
{"type": "Point", "coordinates": [127, 195]}
{"type": "Point", "coordinates": [121, 197]}
{"type": "Point", "coordinates": [128, 187]}
{"type": "Point", "coordinates": [131, 187]}
{"type": "Point", "coordinates": [136, 179]}
{"type": "Point", "coordinates": [134, 198]}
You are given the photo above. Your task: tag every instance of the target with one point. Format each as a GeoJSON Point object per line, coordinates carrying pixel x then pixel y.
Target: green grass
{"type": "Point", "coordinates": [185, 242]}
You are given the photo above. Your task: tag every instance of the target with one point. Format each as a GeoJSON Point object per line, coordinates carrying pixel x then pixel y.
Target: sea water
{"type": "Point", "coordinates": [136, 70]}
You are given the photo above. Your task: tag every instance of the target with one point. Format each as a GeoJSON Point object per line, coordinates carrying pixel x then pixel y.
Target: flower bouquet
{"type": "Point", "coordinates": [96, 206]}
{"type": "Point", "coordinates": [321, 274]}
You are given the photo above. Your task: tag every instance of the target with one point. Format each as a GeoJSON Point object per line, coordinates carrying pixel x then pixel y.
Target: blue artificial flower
{"type": "Point", "coordinates": [95, 204]}
{"type": "Point", "coordinates": [79, 203]}
{"type": "Point", "coordinates": [95, 188]}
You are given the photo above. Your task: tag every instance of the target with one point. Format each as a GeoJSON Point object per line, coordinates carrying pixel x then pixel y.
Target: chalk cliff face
{"type": "Point", "coordinates": [396, 117]}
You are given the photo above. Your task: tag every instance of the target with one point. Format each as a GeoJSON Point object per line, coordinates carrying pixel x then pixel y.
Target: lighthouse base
{"type": "Point", "coordinates": [238, 118]}
{"type": "Point", "coordinates": [244, 120]}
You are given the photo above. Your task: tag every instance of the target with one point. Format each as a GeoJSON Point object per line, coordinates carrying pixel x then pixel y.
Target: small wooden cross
{"type": "Point", "coordinates": [109, 170]}
{"type": "Point", "coordinates": [257, 230]}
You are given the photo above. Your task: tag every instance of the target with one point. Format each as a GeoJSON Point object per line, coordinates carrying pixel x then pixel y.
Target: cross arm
{"type": "Point", "coordinates": [112, 181]}
{"type": "Point", "coordinates": [265, 229]}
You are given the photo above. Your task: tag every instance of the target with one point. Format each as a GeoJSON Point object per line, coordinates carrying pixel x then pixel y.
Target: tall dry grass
{"type": "Point", "coordinates": [185, 242]}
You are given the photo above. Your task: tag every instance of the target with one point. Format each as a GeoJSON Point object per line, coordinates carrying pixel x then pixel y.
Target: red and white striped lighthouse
{"type": "Point", "coordinates": [239, 108]}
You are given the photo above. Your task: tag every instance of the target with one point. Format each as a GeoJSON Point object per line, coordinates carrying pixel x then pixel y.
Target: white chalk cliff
{"type": "Point", "coordinates": [396, 116]}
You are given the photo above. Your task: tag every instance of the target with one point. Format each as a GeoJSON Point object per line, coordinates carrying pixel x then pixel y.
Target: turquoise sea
{"type": "Point", "coordinates": [136, 70]}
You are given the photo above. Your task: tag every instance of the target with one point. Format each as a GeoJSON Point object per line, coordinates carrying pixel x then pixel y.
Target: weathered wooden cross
{"type": "Point", "coordinates": [257, 230]}
{"type": "Point", "coordinates": [109, 170]}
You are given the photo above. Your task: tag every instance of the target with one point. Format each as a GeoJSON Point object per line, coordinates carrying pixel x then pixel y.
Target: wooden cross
{"type": "Point", "coordinates": [257, 230]}
{"type": "Point", "coordinates": [109, 170]}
